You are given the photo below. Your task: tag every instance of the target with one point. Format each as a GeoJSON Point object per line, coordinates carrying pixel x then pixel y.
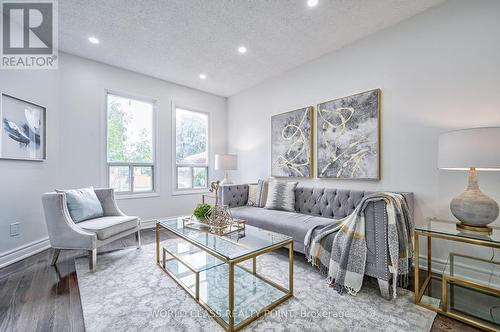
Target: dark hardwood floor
{"type": "Point", "coordinates": [35, 296]}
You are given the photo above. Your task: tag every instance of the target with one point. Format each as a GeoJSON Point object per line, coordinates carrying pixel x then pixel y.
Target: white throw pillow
{"type": "Point", "coordinates": [257, 194]}
{"type": "Point", "coordinates": [281, 196]}
{"type": "Point", "coordinates": [252, 194]}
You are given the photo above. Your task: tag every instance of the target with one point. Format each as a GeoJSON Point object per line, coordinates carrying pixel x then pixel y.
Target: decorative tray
{"type": "Point", "coordinates": [236, 225]}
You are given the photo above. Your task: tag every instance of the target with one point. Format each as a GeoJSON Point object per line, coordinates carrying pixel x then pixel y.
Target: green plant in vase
{"type": "Point", "coordinates": [202, 211]}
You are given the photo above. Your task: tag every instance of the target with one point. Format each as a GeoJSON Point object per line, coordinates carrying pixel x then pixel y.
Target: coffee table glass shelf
{"type": "Point", "coordinates": [208, 267]}
{"type": "Point", "coordinates": [466, 288]}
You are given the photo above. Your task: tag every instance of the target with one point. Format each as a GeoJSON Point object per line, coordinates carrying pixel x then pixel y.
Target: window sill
{"type": "Point", "coordinates": [137, 195]}
{"type": "Point", "coordinates": [190, 192]}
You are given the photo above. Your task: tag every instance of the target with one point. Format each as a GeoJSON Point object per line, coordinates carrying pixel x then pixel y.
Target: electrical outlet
{"type": "Point", "coordinates": [14, 229]}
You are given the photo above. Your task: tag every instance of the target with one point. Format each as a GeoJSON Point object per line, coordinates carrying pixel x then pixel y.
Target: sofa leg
{"type": "Point", "coordinates": [92, 259]}
{"type": "Point", "coordinates": [138, 239]}
{"type": "Point", "coordinates": [55, 256]}
{"type": "Point", "coordinates": [384, 286]}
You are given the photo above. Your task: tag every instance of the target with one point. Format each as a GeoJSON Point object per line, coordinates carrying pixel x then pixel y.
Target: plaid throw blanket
{"type": "Point", "coordinates": [339, 249]}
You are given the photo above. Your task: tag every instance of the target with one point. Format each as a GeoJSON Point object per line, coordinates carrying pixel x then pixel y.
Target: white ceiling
{"type": "Point", "coordinates": [176, 40]}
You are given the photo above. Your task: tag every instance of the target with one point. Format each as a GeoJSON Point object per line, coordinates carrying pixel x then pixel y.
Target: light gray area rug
{"type": "Point", "coordinates": [129, 292]}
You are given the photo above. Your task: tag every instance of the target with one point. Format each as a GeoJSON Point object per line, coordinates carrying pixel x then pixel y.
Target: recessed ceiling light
{"type": "Point", "coordinates": [312, 3]}
{"type": "Point", "coordinates": [203, 76]}
{"type": "Point", "coordinates": [93, 40]}
{"type": "Point", "coordinates": [242, 49]}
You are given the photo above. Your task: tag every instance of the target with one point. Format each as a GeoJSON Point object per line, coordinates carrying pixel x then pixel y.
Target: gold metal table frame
{"type": "Point", "coordinates": [451, 279]}
{"type": "Point", "coordinates": [231, 264]}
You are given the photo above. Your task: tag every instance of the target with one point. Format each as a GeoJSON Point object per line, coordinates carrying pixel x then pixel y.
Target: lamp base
{"type": "Point", "coordinates": [472, 207]}
{"type": "Point", "coordinates": [471, 228]}
{"type": "Point", "coordinates": [225, 181]}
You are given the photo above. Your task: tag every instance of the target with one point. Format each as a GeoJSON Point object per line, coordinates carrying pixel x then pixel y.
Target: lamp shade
{"type": "Point", "coordinates": [226, 162]}
{"type": "Point", "coordinates": [470, 148]}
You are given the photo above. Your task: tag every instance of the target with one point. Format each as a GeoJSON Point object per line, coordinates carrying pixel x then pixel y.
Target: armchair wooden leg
{"type": "Point", "coordinates": [92, 259]}
{"type": "Point", "coordinates": [55, 256]}
{"type": "Point", "coordinates": [138, 239]}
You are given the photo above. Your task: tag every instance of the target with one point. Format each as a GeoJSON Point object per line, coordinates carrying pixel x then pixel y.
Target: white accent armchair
{"type": "Point", "coordinates": [89, 234]}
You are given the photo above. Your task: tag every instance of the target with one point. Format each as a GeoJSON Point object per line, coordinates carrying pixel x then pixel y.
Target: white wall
{"type": "Point", "coordinates": [22, 182]}
{"type": "Point", "coordinates": [82, 129]}
{"type": "Point", "coordinates": [74, 97]}
{"type": "Point", "coordinates": [438, 71]}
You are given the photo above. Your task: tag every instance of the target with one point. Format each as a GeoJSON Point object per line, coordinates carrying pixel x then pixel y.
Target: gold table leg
{"type": "Point", "coordinates": [444, 296]}
{"type": "Point", "coordinates": [417, 267]}
{"type": "Point", "coordinates": [452, 285]}
{"type": "Point", "coordinates": [157, 243]}
{"type": "Point", "coordinates": [254, 265]}
{"type": "Point", "coordinates": [429, 255]}
{"type": "Point", "coordinates": [290, 268]}
{"type": "Point", "coordinates": [197, 289]}
{"type": "Point", "coordinates": [231, 297]}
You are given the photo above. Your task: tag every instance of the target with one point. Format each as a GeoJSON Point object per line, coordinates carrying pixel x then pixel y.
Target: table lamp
{"type": "Point", "coordinates": [226, 162]}
{"type": "Point", "coordinates": [475, 149]}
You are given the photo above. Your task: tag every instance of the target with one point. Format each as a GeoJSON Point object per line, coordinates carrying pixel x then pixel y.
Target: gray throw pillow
{"type": "Point", "coordinates": [83, 204]}
{"type": "Point", "coordinates": [281, 196]}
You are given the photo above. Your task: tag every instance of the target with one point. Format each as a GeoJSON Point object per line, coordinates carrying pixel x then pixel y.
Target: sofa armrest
{"type": "Point", "coordinates": [377, 259]}
{"type": "Point", "coordinates": [107, 198]}
{"type": "Point", "coordinates": [234, 195]}
{"type": "Point", "coordinates": [63, 232]}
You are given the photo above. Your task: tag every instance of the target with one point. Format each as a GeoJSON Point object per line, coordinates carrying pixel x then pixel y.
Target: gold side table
{"type": "Point", "coordinates": [459, 291]}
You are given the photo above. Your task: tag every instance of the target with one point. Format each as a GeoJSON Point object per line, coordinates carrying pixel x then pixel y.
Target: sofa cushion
{"type": "Point", "coordinates": [83, 204]}
{"type": "Point", "coordinates": [292, 224]}
{"type": "Point", "coordinates": [106, 227]}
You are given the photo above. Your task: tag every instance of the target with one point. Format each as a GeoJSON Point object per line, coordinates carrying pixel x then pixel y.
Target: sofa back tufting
{"type": "Point", "coordinates": [327, 202]}
{"type": "Point", "coordinates": [321, 202]}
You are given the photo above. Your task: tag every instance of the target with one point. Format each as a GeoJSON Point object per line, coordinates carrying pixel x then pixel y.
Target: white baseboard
{"type": "Point", "coordinates": [22, 252]}
{"type": "Point", "coordinates": [30, 249]}
{"type": "Point", "coordinates": [151, 223]}
{"type": "Point", "coordinates": [477, 273]}
{"type": "Point", "coordinates": [146, 224]}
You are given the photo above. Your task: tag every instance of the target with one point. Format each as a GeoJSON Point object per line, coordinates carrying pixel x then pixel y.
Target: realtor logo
{"type": "Point", "coordinates": [29, 35]}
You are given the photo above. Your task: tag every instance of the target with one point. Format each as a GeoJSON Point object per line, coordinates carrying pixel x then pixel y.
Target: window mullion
{"type": "Point", "coordinates": [131, 177]}
{"type": "Point", "coordinates": [192, 177]}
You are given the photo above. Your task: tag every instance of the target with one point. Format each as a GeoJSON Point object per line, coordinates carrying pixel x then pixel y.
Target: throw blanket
{"type": "Point", "coordinates": [345, 263]}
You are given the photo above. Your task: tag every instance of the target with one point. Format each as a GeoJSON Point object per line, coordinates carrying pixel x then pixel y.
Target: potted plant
{"type": "Point", "coordinates": [202, 211]}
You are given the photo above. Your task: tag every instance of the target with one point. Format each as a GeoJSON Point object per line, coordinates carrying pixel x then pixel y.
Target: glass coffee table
{"type": "Point", "coordinates": [207, 266]}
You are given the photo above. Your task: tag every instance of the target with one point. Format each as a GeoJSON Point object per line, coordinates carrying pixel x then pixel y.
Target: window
{"type": "Point", "coordinates": [191, 149]}
{"type": "Point", "coordinates": [130, 144]}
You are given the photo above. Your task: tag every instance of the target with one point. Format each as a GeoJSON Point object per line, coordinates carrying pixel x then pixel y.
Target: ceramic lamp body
{"type": "Point", "coordinates": [473, 207]}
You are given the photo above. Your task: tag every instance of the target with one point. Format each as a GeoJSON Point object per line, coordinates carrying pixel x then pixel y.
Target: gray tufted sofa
{"type": "Point", "coordinates": [318, 206]}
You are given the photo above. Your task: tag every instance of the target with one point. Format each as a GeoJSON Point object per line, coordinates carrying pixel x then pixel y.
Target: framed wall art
{"type": "Point", "coordinates": [348, 137]}
{"type": "Point", "coordinates": [23, 129]}
{"type": "Point", "coordinates": [291, 143]}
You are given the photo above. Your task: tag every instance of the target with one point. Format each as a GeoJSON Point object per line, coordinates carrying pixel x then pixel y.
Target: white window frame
{"type": "Point", "coordinates": [131, 165]}
{"type": "Point", "coordinates": [187, 191]}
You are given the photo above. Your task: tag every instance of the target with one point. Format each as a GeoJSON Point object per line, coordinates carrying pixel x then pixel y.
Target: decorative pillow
{"type": "Point", "coordinates": [257, 193]}
{"type": "Point", "coordinates": [262, 197]}
{"type": "Point", "coordinates": [281, 196]}
{"type": "Point", "coordinates": [83, 204]}
{"type": "Point", "coordinates": [252, 194]}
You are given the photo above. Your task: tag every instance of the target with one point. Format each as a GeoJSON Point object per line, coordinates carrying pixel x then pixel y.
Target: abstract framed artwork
{"type": "Point", "coordinates": [291, 143]}
{"type": "Point", "coordinates": [348, 137]}
{"type": "Point", "coordinates": [23, 129]}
